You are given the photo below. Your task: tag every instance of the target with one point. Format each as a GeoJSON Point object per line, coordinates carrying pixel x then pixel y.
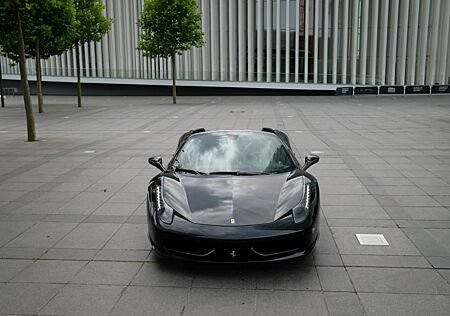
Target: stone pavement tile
{"type": "Point", "coordinates": [323, 259]}
{"type": "Point", "coordinates": [20, 186]}
{"type": "Point", "coordinates": [66, 218]}
{"type": "Point", "coordinates": [422, 182]}
{"type": "Point", "coordinates": [56, 196]}
{"type": "Point", "coordinates": [88, 236]}
{"type": "Point", "coordinates": [349, 199]}
{"type": "Point", "coordinates": [347, 242]}
{"type": "Point", "coordinates": [362, 212]}
{"type": "Point", "coordinates": [124, 209]}
{"type": "Point", "coordinates": [50, 271]}
{"type": "Point", "coordinates": [10, 268]}
{"type": "Point", "coordinates": [86, 202]}
{"type": "Point", "coordinates": [370, 181]}
{"type": "Point", "coordinates": [376, 304]}
{"type": "Point", "coordinates": [122, 255]}
{"type": "Point", "coordinates": [220, 302]}
{"type": "Point", "coordinates": [19, 298]}
{"type": "Point", "coordinates": [326, 243]}
{"type": "Point", "coordinates": [21, 253]}
{"type": "Point", "coordinates": [440, 262]}
{"type": "Point", "coordinates": [418, 213]}
{"type": "Point", "coordinates": [385, 261]}
{"type": "Point", "coordinates": [36, 207]}
{"type": "Point", "coordinates": [165, 274]}
{"type": "Point", "coordinates": [404, 200]}
{"type": "Point", "coordinates": [445, 274]}
{"type": "Point", "coordinates": [106, 219]}
{"type": "Point", "coordinates": [442, 237]}
{"type": "Point", "coordinates": [10, 230]}
{"type": "Point", "coordinates": [225, 276]}
{"type": "Point", "coordinates": [343, 189]}
{"type": "Point", "coordinates": [287, 277]}
{"type": "Point", "coordinates": [343, 304]}
{"type": "Point", "coordinates": [332, 181]}
{"type": "Point", "coordinates": [443, 200]}
{"type": "Point", "coordinates": [111, 273]}
{"type": "Point", "coordinates": [71, 187]}
{"type": "Point", "coordinates": [427, 245]}
{"type": "Point", "coordinates": [290, 303]}
{"type": "Point", "coordinates": [395, 190]}
{"type": "Point", "coordinates": [130, 236]}
{"type": "Point", "coordinates": [137, 300]}
{"type": "Point", "coordinates": [9, 196]}
{"type": "Point", "coordinates": [437, 190]}
{"type": "Point", "coordinates": [75, 299]}
{"type": "Point", "coordinates": [42, 235]}
{"type": "Point", "coordinates": [356, 222]}
{"type": "Point", "coordinates": [69, 254]}
{"type": "Point", "coordinates": [398, 280]}
{"type": "Point", "coordinates": [129, 197]}
{"type": "Point", "coordinates": [334, 279]}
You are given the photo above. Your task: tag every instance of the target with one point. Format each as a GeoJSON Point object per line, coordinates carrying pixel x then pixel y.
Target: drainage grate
{"type": "Point", "coordinates": [372, 240]}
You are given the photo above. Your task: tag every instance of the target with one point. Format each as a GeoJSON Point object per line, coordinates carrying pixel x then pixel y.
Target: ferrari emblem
{"type": "Point", "coordinates": [233, 254]}
{"type": "Point", "coordinates": [232, 221]}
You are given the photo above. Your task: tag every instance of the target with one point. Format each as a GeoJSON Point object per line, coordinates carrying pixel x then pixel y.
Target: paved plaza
{"type": "Point", "coordinates": [73, 232]}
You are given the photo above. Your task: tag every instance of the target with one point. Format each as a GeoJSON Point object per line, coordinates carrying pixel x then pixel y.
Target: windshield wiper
{"type": "Point", "coordinates": [188, 170]}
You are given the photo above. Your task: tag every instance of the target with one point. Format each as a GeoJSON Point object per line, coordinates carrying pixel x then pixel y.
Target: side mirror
{"type": "Point", "coordinates": [310, 160]}
{"type": "Point", "coordinates": [156, 161]}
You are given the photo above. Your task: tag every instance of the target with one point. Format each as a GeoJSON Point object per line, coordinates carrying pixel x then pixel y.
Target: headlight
{"type": "Point", "coordinates": [302, 210]}
{"type": "Point", "coordinates": [164, 211]}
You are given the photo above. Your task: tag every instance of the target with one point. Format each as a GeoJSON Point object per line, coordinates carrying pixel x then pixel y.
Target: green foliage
{"type": "Point", "coordinates": [91, 24]}
{"type": "Point", "coordinates": [50, 22]}
{"type": "Point", "coordinates": [169, 27]}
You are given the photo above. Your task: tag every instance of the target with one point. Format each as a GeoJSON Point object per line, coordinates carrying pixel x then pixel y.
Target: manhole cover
{"type": "Point", "coordinates": [372, 240]}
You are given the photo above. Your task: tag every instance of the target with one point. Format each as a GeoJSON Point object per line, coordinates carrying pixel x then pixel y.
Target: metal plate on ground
{"type": "Point", "coordinates": [372, 240]}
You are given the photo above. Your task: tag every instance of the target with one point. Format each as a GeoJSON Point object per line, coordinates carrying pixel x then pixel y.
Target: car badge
{"type": "Point", "coordinates": [233, 254]}
{"type": "Point", "coordinates": [232, 221]}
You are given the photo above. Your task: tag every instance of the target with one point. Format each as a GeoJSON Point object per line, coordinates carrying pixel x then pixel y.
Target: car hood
{"type": "Point", "coordinates": [248, 200]}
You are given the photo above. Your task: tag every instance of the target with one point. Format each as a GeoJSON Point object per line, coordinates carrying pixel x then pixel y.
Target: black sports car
{"type": "Point", "coordinates": [233, 196]}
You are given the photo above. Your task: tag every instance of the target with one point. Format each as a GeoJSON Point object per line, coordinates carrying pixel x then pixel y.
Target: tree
{"type": "Point", "coordinates": [170, 27]}
{"type": "Point", "coordinates": [47, 31]}
{"type": "Point", "coordinates": [10, 15]}
{"type": "Point", "coordinates": [90, 26]}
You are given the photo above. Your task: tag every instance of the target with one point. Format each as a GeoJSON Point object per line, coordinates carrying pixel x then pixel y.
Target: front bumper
{"type": "Point", "coordinates": [280, 240]}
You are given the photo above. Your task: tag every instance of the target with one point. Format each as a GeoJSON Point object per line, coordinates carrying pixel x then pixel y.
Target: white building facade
{"type": "Point", "coordinates": [304, 42]}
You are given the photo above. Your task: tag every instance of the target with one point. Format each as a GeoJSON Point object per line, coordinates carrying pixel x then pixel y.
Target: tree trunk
{"type": "Point", "coordinates": [77, 52]}
{"type": "Point", "coordinates": [1, 87]}
{"type": "Point", "coordinates": [174, 87]}
{"type": "Point", "coordinates": [23, 74]}
{"type": "Point", "coordinates": [39, 78]}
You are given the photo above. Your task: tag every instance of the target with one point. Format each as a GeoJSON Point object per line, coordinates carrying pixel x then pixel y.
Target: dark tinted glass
{"type": "Point", "coordinates": [234, 152]}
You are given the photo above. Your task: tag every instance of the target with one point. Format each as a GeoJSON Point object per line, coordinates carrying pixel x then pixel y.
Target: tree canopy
{"type": "Point", "coordinates": [169, 27]}
{"type": "Point", "coordinates": [49, 21]}
{"type": "Point", "coordinates": [91, 24]}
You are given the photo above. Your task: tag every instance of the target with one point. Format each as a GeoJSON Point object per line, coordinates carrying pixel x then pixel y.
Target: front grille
{"type": "Point", "coordinates": [236, 250]}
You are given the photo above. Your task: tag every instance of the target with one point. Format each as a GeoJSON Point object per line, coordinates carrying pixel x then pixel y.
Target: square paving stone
{"type": "Point", "coordinates": [50, 271]}
{"type": "Point", "coordinates": [138, 300]}
{"type": "Point", "coordinates": [19, 298]}
{"type": "Point", "coordinates": [290, 303]}
{"type": "Point", "coordinates": [42, 235]}
{"type": "Point", "coordinates": [398, 280]}
{"type": "Point", "coordinates": [75, 299]}
{"type": "Point", "coordinates": [404, 304]}
{"type": "Point", "coordinates": [88, 236]}
{"type": "Point", "coordinates": [334, 279]}
{"type": "Point", "coordinates": [288, 277]}
{"type": "Point", "coordinates": [10, 268]}
{"type": "Point", "coordinates": [10, 230]}
{"type": "Point", "coordinates": [343, 304]}
{"type": "Point", "coordinates": [225, 276]}
{"type": "Point", "coordinates": [98, 272]}
{"type": "Point", "coordinates": [220, 302]}
{"type": "Point", "coordinates": [165, 274]}
{"type": "Point", "coordinates": [130, 236]}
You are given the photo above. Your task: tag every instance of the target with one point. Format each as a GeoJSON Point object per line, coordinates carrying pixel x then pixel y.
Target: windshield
{"type": "Point", "coordinates": [243, 152]}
